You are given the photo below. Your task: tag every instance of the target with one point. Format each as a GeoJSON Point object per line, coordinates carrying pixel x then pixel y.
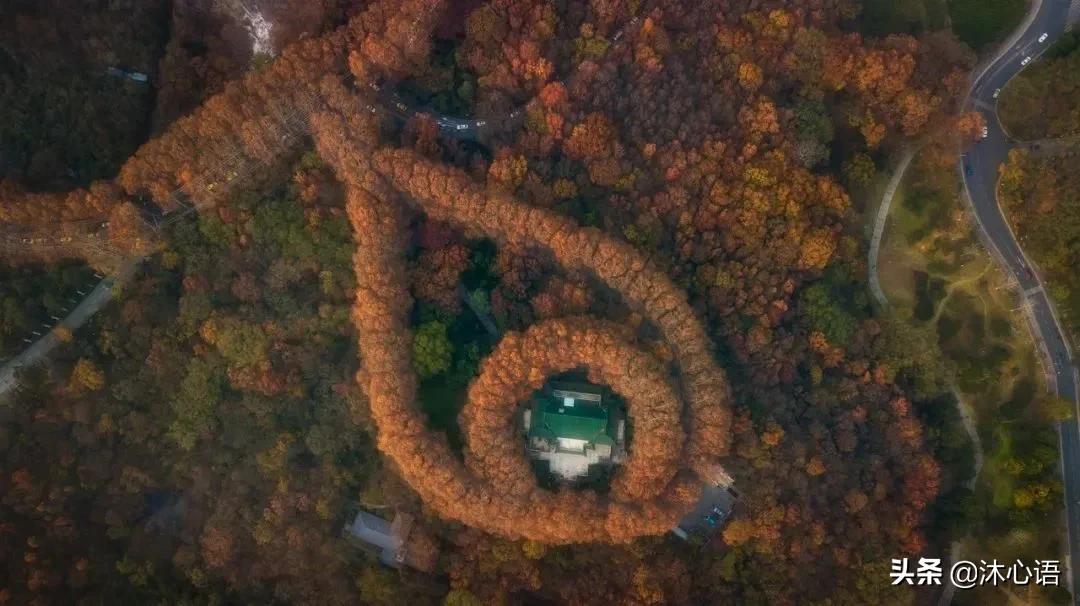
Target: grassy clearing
{"type": "Point", "coordinates": [976, 22]}
{"type": "Point", "coordinates": [897, 268]}
{"type": "Point", "coordinates": [935, 273]}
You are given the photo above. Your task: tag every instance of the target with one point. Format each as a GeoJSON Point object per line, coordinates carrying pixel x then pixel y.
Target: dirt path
{"type": "Point", "coordinates": [953, 286]}
{"type": "Point", "coordinates": [967, 417]}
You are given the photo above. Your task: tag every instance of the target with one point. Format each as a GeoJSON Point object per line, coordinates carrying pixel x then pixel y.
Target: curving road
{"type": "Point", "coordinates": [979, 167]}
{"type": "Point", "coordinates": [879, 224]}
{"type": "Point", "coordinates": [90, 305]}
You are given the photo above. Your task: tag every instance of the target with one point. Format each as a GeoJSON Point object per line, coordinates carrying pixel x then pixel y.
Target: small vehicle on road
{"type": "Point", "coordinates": [1043, 37]}
{"type": "Point", "coordinates": [968, 170]}
{"type": "Point", "coordinates": [997, 92]}
{"type": "Point", "coordinates": [481, 123]}
{"type": "Point", "coordinates": [1026, 61]}
{"type": "Point", "coordinates": [985, 132]}
{"type": "Point", "coordinates": [462, 127]}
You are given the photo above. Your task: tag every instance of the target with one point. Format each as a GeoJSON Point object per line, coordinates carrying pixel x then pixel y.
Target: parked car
{"type": "Point", "coordinates": [1043, 38]}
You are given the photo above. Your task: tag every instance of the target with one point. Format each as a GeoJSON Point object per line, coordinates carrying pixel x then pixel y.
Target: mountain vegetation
{"type": "Point", "coordinates": [655, 198]}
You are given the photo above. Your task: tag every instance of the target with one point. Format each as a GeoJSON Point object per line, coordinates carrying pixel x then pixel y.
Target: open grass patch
{"type": "Point", "coordinates": [949, 284]}
{"type": "Point", "coordinates": [1000, 484]}
{"type": "Point", "coordinates": [1000, 327]}
{"type": "Point", "coordinates": [896, 271]}
{"type": "Point", "coordinates": [929, 291]}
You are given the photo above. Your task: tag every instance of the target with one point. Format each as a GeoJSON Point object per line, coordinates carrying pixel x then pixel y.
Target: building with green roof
{"type": "Point", "coordinates": [573, 429]}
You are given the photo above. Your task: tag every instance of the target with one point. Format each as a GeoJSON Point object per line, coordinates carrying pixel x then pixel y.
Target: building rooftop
{"type": "Point", "coordinates": [571, 419]}
{"type": "Point", "coordinates": [571, 427]}
{"type": "Point", "coordinates": [385, 538]}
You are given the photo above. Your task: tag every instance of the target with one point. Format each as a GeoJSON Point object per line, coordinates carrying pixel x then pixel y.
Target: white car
{"type": "Point", "coordinates": [462, 127]}
{"type": "Point", "coordinates": [481, 123]}
{"type": "Point", "coordinates": [997, 92]}
{"type": "Point", "coordinates": [1026, 61]}
{"type": "Point", "coordinates": [1043, 38]}
{"type": "Point", "coordinates": [985, 132]}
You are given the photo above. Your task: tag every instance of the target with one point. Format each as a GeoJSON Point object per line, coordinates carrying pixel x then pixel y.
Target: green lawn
{"type": "Point", "coordinates": [976, 22]}
{"type": "Point", "coordinates": [938, 276]}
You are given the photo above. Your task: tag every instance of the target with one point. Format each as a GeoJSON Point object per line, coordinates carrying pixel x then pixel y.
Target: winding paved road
{"type": "Point", "coordinates": [979, 167]}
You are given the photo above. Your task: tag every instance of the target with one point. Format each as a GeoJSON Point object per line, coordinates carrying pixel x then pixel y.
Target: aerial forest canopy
{"type": "Point", "coordinates": [652, 197]}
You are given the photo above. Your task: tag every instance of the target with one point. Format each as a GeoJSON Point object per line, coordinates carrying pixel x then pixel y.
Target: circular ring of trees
{"type": "Point", "coordinates": [520, 365]}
